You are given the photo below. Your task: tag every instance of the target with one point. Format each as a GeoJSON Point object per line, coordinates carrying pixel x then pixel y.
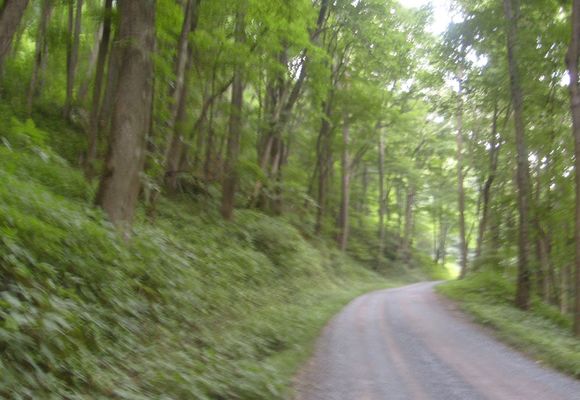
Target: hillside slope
{"type": "Point", "coordinates": [191, 307]}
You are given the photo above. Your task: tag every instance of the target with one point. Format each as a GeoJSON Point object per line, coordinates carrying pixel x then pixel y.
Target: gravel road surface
{"type": "Point", "coordinates": [408, 343]}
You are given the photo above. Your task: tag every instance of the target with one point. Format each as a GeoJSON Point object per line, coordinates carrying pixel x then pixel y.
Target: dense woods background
{"type": "Point", "coordinates": [328, 134]}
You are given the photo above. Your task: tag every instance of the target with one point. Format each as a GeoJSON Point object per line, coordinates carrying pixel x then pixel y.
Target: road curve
{"type": "Point", "coordinates": [407, 343]}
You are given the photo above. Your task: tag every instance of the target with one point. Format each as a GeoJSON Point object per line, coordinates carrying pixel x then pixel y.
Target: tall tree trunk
{"type": "Point", "coordinates": [75, 20]}
{"type": "Point", "coordinates": [113, 70]}
{"type": "Point", "coordinates": [91, 65]}
{"type": "Point", "coordinates": [93, 134]}
{"type": "Point", "coordinates": [40, 54]}
{"type": "Point", "coordinates": [11, 14]}
{"type": "Point", "coordinates": [176, 146]}
{"type": "Point", "coordinates": [323, 160]}
{"type": "Point", "coordinates": [180, 94]}
{"type": "Point", "coordinates": [573, 60]}
{"type": "Point", "coordinates": [460, 188]}
{"type": "Point", "coordinates": [183, 54]}
{"type": "Point", "coordinates": [381, 168]}
{"type": "Point", "coordinates": [407, 239]}
{"type": "Point", "coordinates": [512, 10]}
{"type": "Point", "coordinates": [120, 184]}
{"type": "Point", "coordinates": [486, 192]}
{"type": "Point", "coordinates": [235, 125]}
{"type": "Point", "coordinates": [343, 222]}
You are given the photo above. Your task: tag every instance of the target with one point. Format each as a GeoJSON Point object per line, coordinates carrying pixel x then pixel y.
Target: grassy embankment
{"type": "Point", "coordinates": [190, 308]}
{"type": "Point", "coordinates": [543, 332]}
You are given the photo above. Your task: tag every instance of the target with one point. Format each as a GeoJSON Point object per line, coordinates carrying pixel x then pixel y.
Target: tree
{"type": "Point", "coordinates": [130, 122]}
{"type": "Point", "coordinates": [573, 65]}
{"type": "Point", "coordinates": [235, 125]}
{"type": "Point", "coordinates": [74, 26]}
{"type": "Point", "coordinates": [512, 11]}
{"type": "Point", "coordinates": [40, 53]}
{"type": "Point", "coordinates": [11, 14]}
{"type": "Point", "coordinates": [346, 165]}
{"type": "Point", "coordinates": [460, 181]}
{"type": "Point", "coordinates": [95, 112]}
{"type": "Point", "coordinates": [179, 95]}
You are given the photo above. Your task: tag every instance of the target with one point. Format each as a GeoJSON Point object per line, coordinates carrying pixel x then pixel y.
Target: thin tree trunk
{"type": "Point", "coordinates": [323, 155]}
{"type": "Point", "coordinates": [177, 143]}
{"type": "Point", "coordinates": [235, 126]}
{"type": "Point", "coordinates": [381, 168]}
{"type": "Point", "coordinates": [92, 62]}
{"type": "Point", "coordinates": [460, 189]}
{"type": "Point", "coordinates": [73, 53]}
{"type": "Point", "coordinates": [94, 118]}
{"type": "Point", "coordinates": [11, 14]}
{"type": "Point", "coordinates": [40, 54]}
{"type": "Point", "coordinates": [486, 192]}
{"type": "Point", "coordinates": [120, 184]}
{"type": "Point", "coordinates": [573, 61]}
{"type": "Point", "coordinates": [180, 94]}
{"type": "Point", "coordinates": [407, 240]}
{"type": "Point", "coordinates": [113, 70]}
{"type": "Point", "coordinates": [183, 54]}
{"type": "Point", "coordinates": [522, 300]}
{"type": "Point", "coordinates": [343, 219]}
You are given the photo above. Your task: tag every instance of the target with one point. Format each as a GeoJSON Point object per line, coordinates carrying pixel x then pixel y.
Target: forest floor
{"type": "Point", "coordinates": [409, 343]}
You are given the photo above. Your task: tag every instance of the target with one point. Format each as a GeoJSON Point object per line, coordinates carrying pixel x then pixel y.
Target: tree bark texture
{"type": "Point", "coordinates": [130, 122]}
{"type": "Point", "coordinates": [94, 118]}
{"type": "Point", "coordinates": [512, 10]}
{"type": "Point", "coordinates": [235, 127]}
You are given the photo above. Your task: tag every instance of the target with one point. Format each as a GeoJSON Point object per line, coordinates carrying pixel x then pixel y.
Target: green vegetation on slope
{"type": "Point", "coordinates": [191, 307]}
{"type": "Point", "coordinates": [544, 333]}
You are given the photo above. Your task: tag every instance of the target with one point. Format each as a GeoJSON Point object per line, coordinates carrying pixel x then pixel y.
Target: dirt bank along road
{"type": "Point", "coordinates": [407, 343]}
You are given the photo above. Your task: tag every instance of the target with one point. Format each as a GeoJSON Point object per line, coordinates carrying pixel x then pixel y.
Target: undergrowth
{"type": "Point", "coordinates": [543, 332]}
{"type": "Point", "coordinates": [191, 308]}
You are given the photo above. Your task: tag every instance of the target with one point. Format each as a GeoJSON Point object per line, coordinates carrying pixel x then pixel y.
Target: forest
{"type": "Point", "coordinates": [190, 189]}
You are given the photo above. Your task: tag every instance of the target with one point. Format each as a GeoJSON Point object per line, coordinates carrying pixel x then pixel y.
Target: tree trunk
{"type": "Point", "coordinates": [40, 54]}
{"type": "Point", "coordinates": [177, 143]}
{"type": "Point", "coordinates": [460, 189]}
{"type": "Point", "coordinates": [407, 240]}
{"type": "Point", "coordinates": [573, 60]}
{"type": "Point", "coordinates": [343, 222]}
{"type": "Point", "coordinates": [235, 126]}
{"type": "Point", "coordinates": [486, 192]}
{"type": "Point", "coordinates": [113, 70]}
{"type": "Point", "coordinates": [180, 94]}
{"type": "Point", "coordinates": [183, 54]}
{"type": "Point", "coordinates": [522, 300]}
{"type": "Point", "coordinates": [72, 52]}
{"type": "Point", "coordinates": [92, 62]}
{"type": "Point", "coordinates": [94, 118]}
{"type": "Point", "coordinates": [119, 187]}
{"type": "Point", "coordinates": [323, 161]}
{"type": "Point", "coordinates": [381, 168]}
{"type": "Point", "coordinates": [11, 14]}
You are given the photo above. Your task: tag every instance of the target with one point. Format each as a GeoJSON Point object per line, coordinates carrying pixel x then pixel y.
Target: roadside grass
{"type": "Point", "coordinates": [191, 308]}
{"type": "Point", "coordinates": [542, 333]}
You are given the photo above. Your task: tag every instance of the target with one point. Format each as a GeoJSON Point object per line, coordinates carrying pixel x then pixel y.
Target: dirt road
{"type": "Point", "coordinates": [407, 343]}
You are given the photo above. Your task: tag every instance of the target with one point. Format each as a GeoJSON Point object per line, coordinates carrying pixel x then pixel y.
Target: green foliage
{"type": "Point", "coordinates": [190, 308]}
